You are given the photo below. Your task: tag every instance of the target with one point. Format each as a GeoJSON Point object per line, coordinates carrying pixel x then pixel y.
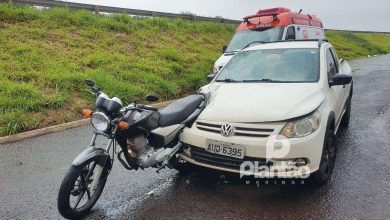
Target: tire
{"type": "Point", "coordinates": [328, 159]}
{"type": "Point", "coordinates": [67, 189]}
{"type": "Point", "coordinates": [347, 115]}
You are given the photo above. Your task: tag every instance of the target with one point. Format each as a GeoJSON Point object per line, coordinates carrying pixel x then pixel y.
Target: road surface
{"type": "Point", "coordinates": [31, 172]}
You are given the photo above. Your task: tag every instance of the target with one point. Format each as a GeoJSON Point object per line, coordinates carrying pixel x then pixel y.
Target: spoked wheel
{"type": "Point", "coordinates": [81, 188]}
{"type": "Point", "coordinates": [328, 159]}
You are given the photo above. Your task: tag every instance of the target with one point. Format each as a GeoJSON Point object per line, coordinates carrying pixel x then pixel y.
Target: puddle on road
{"type": "Point", "coordinates": [117, 207]}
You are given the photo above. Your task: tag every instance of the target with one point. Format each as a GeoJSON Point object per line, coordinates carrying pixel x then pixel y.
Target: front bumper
{"type": "Point", "coordinates": [309, 148]}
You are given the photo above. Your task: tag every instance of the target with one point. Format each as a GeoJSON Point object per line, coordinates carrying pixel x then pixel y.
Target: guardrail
{"type": "Point", "coordinates": [109, 9]}
{"type": "Point", "coordinates": [137, 12]}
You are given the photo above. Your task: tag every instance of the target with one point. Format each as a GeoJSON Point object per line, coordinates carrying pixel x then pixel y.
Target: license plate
{"type": "Point", "coordinates": [226, 149]}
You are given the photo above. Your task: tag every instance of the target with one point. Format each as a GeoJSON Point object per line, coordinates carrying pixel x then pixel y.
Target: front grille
{"type": "Point", "coordinates": [239, 130]}
{"type": "Point", "coordinates": [202, 156]}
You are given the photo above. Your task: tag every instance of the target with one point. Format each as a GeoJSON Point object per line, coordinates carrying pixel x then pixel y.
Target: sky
{"type": "Point", "coordinates": [362, 15]}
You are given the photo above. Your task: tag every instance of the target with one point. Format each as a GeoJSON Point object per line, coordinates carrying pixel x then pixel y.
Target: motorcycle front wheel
{"type": "Point", "coordinates": [81, 188]}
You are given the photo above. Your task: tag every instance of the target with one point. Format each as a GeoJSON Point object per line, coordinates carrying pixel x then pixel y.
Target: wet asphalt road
{"type": "Point", "coordinates": [31, 172]}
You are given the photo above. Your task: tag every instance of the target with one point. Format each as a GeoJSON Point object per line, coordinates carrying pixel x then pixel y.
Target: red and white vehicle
{"type": "Point", "coordinates": [273, 24]}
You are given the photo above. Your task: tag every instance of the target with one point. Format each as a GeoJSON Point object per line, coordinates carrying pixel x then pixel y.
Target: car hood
{"type": "Point", "coordinates": [260, 102]}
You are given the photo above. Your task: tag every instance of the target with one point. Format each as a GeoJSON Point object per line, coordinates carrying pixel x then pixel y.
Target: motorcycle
{"type": "Point", "coordinates": [147, 137]}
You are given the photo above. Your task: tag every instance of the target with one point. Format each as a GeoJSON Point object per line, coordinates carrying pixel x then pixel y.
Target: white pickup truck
{"type": "Point", "coordinates": [295, 92]}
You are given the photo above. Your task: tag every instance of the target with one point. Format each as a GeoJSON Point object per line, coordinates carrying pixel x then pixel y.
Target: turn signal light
{"type": "Point", "coordinates": [87, 113]}
{"type": "Point", "coordinates": [123, 125]}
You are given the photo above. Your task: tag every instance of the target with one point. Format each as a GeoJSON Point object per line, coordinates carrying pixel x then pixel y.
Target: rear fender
{"type": "Point", "coordinates": [100, 155]}
{"type": "Point", "coordinates": [190, 119]}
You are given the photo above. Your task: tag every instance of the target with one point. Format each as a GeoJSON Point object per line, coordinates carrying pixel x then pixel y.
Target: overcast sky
{"type": "Point", "coordinates": [367, 15]}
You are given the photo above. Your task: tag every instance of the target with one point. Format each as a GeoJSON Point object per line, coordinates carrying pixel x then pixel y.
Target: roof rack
{"type": "Point", "coordinates": [320, 42]}
{"type": "Point", "coordinates": [267, 12]}
{"type": "Point", "coordinates": [280, 17]}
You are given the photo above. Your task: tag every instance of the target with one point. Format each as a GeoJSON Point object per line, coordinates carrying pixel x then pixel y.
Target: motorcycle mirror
{"type": "Point", "coordinates": [89, 82]}
{"type": "Point", "coordinates": [151, 98]}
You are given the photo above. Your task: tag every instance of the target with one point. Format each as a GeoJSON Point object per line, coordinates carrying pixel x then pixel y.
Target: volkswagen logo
{"type": "Point", "coordinates": [227, 130]}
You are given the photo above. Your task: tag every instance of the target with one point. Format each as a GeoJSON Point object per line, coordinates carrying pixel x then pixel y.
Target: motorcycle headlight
{"type": "Point", "coordinates": [302, 127]}
{"type": "Point", "coordinates": [100, 121]}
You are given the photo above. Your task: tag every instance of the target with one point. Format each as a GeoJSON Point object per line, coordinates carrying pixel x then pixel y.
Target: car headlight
{"type": "Point", "coordinates": [100, 121]}
{"type": "Point", "coordinates": [302, 127]}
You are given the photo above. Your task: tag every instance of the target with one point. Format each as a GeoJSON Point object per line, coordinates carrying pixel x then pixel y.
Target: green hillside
{"type": "Point", "coordinates": [351, 45]}
{"type": "Point", "coordinates": [45, 55]}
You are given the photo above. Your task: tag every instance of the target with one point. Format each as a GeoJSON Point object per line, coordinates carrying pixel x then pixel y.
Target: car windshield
{"type": "Point", "coordinates": [272, 65]}
{"type": "Point", "coordinates": [243, 38]}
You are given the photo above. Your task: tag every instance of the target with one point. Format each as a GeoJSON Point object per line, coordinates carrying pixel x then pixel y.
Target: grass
{"type": "Point", "coordinates": [45, 56]}
{"type": "Point", "coordinates": [351, 45]}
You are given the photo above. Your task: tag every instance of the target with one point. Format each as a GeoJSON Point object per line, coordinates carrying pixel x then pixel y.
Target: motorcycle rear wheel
{"type": "Point", "coordinates": [76, 197]}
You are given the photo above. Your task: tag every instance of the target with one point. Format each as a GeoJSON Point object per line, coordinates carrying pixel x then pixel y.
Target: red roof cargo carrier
{"type": "Point", "coordinates": [274, 17]}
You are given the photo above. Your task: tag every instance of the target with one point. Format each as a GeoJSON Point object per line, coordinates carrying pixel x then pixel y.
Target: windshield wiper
{"type": "Point", "coordinates": [262, 80]}
{"type": "Point", "coordinates": [255, 42]}
{"type": "Point", "coordinates": [226, 80]}
{"type": "Point", "coordinates": [231, 52]}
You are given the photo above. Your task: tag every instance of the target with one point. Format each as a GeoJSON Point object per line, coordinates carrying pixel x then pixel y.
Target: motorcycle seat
{"type": "Point", "coordinates": [179, 110]}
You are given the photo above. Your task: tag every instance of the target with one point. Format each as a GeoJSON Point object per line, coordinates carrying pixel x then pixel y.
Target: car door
{"type": "Point", "coordinates": [310, 32]}
{"type": "Point", "coordinates": [345, 90]}
{"type": "Point", "coordinates": [336, 92]}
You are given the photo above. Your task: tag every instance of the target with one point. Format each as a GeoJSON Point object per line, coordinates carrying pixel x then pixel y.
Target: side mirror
{"type": "Point", "coordinates": [151, 98]}
{"type": "Point", "coordinates": [89, 82]}
{"type": "Point", "coordinates": [340, 79]}
{"type": "Point", "coordinates": [224, 48]}
{"type": "Point", "coordinates": [341, 60]}
{"type": "Point", "coordinates": [210, 77]}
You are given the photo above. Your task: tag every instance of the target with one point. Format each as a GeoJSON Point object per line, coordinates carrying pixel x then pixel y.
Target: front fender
{"type": "Point", "coordinates": [92, 152]}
